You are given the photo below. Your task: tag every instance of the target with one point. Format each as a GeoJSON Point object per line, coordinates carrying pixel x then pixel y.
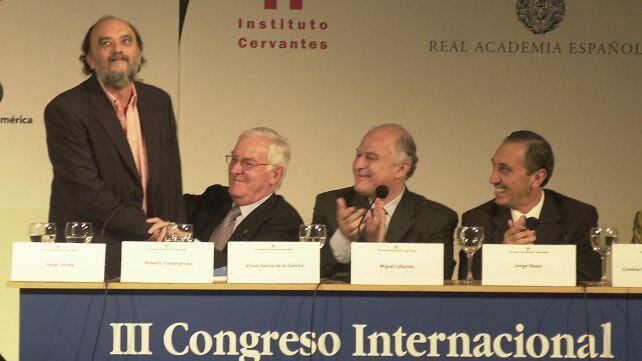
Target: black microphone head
{"type": "Point", "coordinates": [532, 223]}
{"type": "Point", "coordinates": [381, 191]}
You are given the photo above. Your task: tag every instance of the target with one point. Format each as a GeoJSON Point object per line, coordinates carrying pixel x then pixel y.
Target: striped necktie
{"type": "Point", "coordinates": [223, 231]}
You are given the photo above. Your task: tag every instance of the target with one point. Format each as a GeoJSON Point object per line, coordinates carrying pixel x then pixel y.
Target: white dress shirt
{"type": "Point", "coordinates": [247, 209]}
{"type": "Point", "coordinates": [535, 212]}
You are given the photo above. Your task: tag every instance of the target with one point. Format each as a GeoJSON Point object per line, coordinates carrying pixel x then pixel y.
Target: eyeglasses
{"type": "Point", "coordinates": [246, 164]}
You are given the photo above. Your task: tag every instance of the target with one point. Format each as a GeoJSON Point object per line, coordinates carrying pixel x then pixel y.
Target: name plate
{"type": "Point", "coordinates": [273, 262]}
{"type": "Point", "coordinates": [58, 262]}
{"type": "Point", "coordinates": [529, 265]}
{"type": "Point", "coordinates": [397, 263]}
{"type": "Point", "coordinates": [167, 262]}
{"type": "Point", "coordinates": [627, 265]}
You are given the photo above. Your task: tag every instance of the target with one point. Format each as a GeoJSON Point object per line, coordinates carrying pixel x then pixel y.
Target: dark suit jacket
{"type": "Point", "coordinates": [275, 220]}
{"type": "Point", "coordinates": [94, 171]}
{"type": "Point", "coordinates": [563, 220]}
{"type": "Point", "coordinates": [416, 220]}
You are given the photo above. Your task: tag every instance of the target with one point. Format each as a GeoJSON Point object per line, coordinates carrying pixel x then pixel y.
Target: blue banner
{"type": "Point", "coordinates": [277, 325]}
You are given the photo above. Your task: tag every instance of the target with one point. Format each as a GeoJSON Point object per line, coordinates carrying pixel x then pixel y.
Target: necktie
{"type": "Point", "coordinates": [222, 233]}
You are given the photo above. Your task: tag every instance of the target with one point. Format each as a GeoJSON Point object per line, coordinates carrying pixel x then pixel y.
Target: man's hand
{"type": "Point", "coordinates": [376, 223]}
{"type": "Point", "coordinates": [518, 234]}
{"type": "Point", "coordinates": [158, 229]}
{"type": "Point", "coordinates": [348, 219]}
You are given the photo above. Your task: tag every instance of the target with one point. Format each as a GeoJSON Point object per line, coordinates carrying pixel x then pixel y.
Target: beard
{"type": "Point", "coordinates": [114, 79]}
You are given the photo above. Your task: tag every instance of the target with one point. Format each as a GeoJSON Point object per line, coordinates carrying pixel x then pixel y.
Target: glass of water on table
{"type": "Point", "coordinates": [78, 232]}
{"type": "Point", "coordinates": [313, 233]}
{"type": "Point", "coordinates": [42, 232]}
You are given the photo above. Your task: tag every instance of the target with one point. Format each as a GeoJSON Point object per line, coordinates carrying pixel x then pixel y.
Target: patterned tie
{"type": "Point", "coordinates": [222, 233]}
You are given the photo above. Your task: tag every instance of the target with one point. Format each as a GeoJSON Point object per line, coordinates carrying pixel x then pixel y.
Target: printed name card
{"type": "Point", "coordinates": [397, 264]}
{"type": "Point", "coordinates": [529, 265]}
{"type": "Point", "coordinates": [273, 262]}
{"type": "Point", "coordinates": [167, 262]}
{"type": "Point", "coordinates": [627, 265]}
{"type": "Point", "coordinates": [58, 262]}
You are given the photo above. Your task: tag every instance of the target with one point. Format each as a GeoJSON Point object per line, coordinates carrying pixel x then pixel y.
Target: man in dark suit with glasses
{"type": "Point", "coordinates": [248, 209]}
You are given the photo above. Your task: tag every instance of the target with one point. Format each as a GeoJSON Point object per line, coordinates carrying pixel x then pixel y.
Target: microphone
{"type": "Point", "coordinates": [132, 195]}
{"type": "Point", "coordinates": [532, 223]}
{"type": "Point", "coordinates": [381, 192]}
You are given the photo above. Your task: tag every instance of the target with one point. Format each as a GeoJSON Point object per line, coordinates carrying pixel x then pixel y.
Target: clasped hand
{"type": "Point", "coordinates": [374, 223]}
{"type": "Point", "coordinates": [158, 230]}
{"type": "Point", "coordinates": [518, 234]}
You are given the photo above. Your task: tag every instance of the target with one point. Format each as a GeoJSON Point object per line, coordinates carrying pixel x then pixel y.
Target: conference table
{"type": "Point", "coordinates": [327, 321]}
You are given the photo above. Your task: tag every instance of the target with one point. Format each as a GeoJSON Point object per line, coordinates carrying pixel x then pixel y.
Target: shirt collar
{"type": "Point", "coordinates": [114, 101]}
{"type": "Point", "coordinates": [535, 212]}
{"type": "Point", "coordinates": [248, 208]}
{"type": "Point", "coordinates": [392, 205]}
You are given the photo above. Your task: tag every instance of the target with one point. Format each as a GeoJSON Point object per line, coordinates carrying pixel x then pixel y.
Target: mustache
{"type": "Point", "coordinates": [118, 56]}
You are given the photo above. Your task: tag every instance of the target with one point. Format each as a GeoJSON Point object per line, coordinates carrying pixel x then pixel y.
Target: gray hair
{"type": "Point", "coordinates": [279, 152]}
{"type": "Point", "coordinates": [406, 147]}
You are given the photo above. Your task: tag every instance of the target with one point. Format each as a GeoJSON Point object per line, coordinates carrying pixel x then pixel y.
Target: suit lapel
{"type": "Point", "coordinates": [500, 223]}
{"type": "Point", "coordinates": [151, 135]}
{"type": "Point", "coordinates": [106, 117]}
{"type": "Point", "coordinates": [216, 218]}
{"type": "Point", "coordinates": [246, 228]}
{"type": "Point", "coordinates": [550, 230]}
{"type": "Point", "coordinates": [357, 201]}
{"type": "Point", "coordinates": [403, 218]}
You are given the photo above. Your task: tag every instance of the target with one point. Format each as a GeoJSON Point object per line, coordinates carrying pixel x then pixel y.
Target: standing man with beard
{"type": "Point", "coordinates": [112, 144]}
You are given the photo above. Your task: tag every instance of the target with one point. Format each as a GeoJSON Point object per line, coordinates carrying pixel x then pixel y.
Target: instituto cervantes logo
{"type": "Point", "coordinates": [272, 4]}
{"type": "Point", "coordinates": [540, 16]}
{"type": "Point", "coordinates": [282, 30]}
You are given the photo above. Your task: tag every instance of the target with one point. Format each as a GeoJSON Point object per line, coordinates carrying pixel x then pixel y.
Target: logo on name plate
{"type": "Point", "coordinates": [1, 92]}
{"type": "Point", "coordinates": [272, 4]}
{"type": "Point", "coordinates": [540, 16]}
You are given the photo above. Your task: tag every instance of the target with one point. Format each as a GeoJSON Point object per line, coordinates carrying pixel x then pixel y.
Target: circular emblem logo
{"type": "Point", "coordinates": [1, 92]}
{"type": "Point", "coordinates": [540, 16]}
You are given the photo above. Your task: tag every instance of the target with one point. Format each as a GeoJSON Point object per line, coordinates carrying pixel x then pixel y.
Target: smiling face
{"type": "Point", "coordinates": [377, 163]}
{"type": "Point", "coordinates": [250, 185]}
{"type": "Point", "coordinates": [514, 187]}
{"type": "Point", "coordinates": [114, 53]}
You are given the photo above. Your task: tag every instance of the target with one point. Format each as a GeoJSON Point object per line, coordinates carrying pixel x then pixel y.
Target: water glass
{"type": "Point", "coordinates": [602, 239]}
{"type": "Point", "coordinates": [313, 233]}
{"type": "Point", "coordinates": [42, 232]}
{"type": "Point", "coordinates": [78, 232]}
{"type": "Point", "coordinates": [470, 239]}
{"type": "Point", "coordinates": [179, 232]}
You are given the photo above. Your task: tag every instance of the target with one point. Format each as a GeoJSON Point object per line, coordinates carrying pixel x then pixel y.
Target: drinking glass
{"type": "Point", "coordinates": [602, 239]}
{"type": "Point", "coordinates": [313, 233]}
{"type": "Point", "coordinates": [470, 239]}
{"type": "Point", "coordinates": [42, 232]}
{"type": "Point", "coordinates": [78, 232]}
{"type": "Point", "coordinates": [179, 232]}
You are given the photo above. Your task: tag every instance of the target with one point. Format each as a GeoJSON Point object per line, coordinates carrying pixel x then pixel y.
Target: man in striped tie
{"type": "Point", "coordinates": [249, 208]}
